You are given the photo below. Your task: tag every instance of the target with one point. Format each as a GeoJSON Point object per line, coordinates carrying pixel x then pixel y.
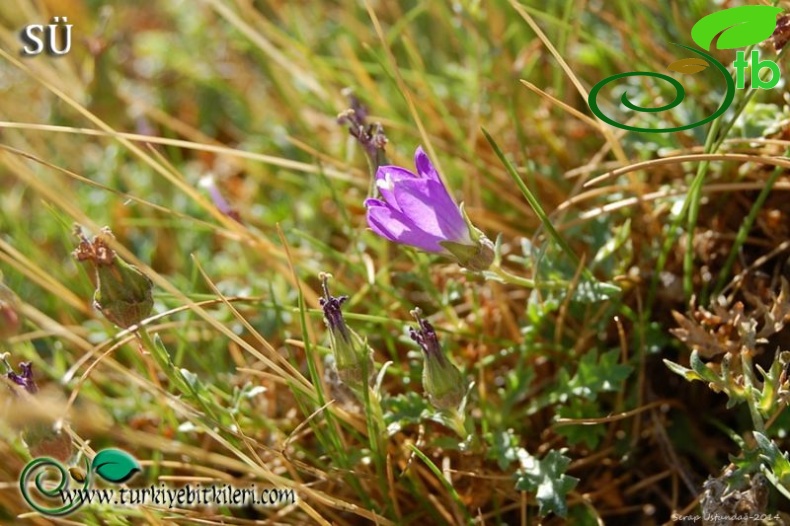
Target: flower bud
{"type": "Point", "coordinates": [123, 292]}
{"type": "Point", "coordinates": [441, 379]}
{"type": "Point", "coordinates": [353, 359]}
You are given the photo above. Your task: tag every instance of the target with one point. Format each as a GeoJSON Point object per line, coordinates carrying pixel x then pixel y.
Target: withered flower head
{"type": "Point", "coordinates": [781, 34]}
{"type": "Point", "coordinates": [370, 136]}
{"type": "Point", "coordinates": [353, 359]}
{"type": "Point", "coordinates": [123, 292]}
{"type": "Point", "coordinates": [441, 379]}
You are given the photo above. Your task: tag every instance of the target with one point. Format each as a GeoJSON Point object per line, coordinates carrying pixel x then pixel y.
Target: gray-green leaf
{"type": "Point", "coordinates": [547, 479]}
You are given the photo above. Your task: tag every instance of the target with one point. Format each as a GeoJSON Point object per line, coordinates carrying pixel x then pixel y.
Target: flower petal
{"type": "Point", "coordinates": [428, 205]}
{"type": "Point", "coordinates": [424, 166]}
{"type": "Point", "coordinates": [392, 224]}
{"type": "Point", "coordinates": [389, 176]}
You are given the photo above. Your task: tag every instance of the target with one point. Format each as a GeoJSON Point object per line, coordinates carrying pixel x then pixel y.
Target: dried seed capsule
{"type": "Point", "coordinates": [123, 292]}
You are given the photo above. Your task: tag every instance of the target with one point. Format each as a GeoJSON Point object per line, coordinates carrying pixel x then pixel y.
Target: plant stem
{"type": "Point", "coordinates": [457, 422]}
{"type": "Point", "coordinates": [536, 207]}
{"type": "Point", "coordinates": [527, 283]}
{"type": "Point", "coordinates": [746, 226]}
{"type": "Point", "coordinates": [4, 358]}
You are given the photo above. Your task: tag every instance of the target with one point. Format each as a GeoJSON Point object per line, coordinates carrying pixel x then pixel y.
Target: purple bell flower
{"type": "Point", "coordinates": [417, 210]}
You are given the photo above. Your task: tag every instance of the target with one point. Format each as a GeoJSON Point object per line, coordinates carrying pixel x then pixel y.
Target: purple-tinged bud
{"type": "Point", "coordinates": [353, 359]}
{"type": "Point", "coordinates": [10, 319]}
{"type": "Point", "coordinates": [441, 379]}
{"type": "Point", "coordinates": [25, 379]}
{"type": "Point", "coordinates": [123, 292]}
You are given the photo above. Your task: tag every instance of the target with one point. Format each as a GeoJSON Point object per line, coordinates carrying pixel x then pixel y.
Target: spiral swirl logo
{"type": "Point", "coordinates": [739, 27]}
{"type": "Point", "coordinates": [46, 495]}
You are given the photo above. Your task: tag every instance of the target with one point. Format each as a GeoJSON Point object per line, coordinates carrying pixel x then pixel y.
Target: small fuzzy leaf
{"type": "Point", "coordinates": [703, 370]}
{"type": "Point", "coordinates": [596, 375]}
{"type": "Point", "coordinates": [579, 408]}
{"type": "Point", "coordinates": [621, 238]}
{"type": "Point", "coordinates": [547, 479]}
{"type": "Point", "coordinates": [777, 460]}
{"type": "Point", "coordinates": [688, 374]}
{"type": "Point", "coordinates": [404, 410]}
{"type": "Point", "coordinates": [503, 447]}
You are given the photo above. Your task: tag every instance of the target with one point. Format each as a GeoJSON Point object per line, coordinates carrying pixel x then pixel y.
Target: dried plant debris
{"type": "Point", "coordinates": [774, 315]}
{"type": "Point", "coordinates": [710, 332]}
{"type": "Point", "coordinates": [731, 507]}
{"type": "Point", "coordinates": [781, 34]}
{"type": "Point", "coordinates": [730, 328]}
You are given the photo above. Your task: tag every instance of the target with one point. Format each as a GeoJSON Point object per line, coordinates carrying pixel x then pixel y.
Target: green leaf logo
{"type": "Point", "coordinates": [114, 465]}
{"type": "Point", "coordinates": [742, 26]}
